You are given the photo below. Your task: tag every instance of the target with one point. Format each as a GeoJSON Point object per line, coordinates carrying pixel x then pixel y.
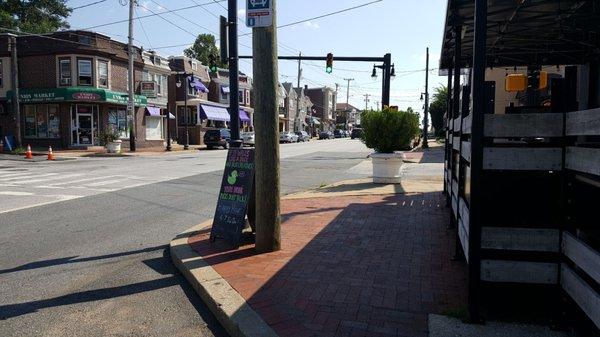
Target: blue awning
{"type": "Point", "coordinates": [152, 111]}
{"type": "Point", "coordinates": [244, 116]}
{"type": "Point", "coordinates": [215, 113]}
{"type": "Point", "coordinates": [225, 89]}
{"type": "Point", "coordinates": [196, 83]}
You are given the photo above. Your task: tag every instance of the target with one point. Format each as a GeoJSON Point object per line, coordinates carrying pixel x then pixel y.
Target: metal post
{"type": "Point", "coordinates": [297, 119]}
{"type": "Point", "coordinates": [475, 207]}
{"type": "Point", "coordinates": [426, 110]}
{"type": "Point", "coordinates": [130, 104]}
{"type": "Point", "coordinates": [387, 64]}
{"type": "Point", "coordinates": [234, 105]}
{"type": "Point", "coordinates": [186, 146]}
{"type": "Point", "coordinates": [168, 130]}
{"type": "Point", "coordinates": [15, 89]}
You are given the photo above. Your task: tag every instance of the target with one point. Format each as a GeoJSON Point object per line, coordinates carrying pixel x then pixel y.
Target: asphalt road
{"type": "Point", "coordinates": [97, 264]}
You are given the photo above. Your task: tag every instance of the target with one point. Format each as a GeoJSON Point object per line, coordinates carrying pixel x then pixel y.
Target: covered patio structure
{"type": "Point", "coordinates": [522, 175]}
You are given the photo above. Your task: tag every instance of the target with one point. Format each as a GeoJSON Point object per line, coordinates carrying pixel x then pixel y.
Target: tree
{"type": "Point", "coordinates": [204, 46]}
{"type": "Point", "coordinates": [34, 16]}
{"type": "Point", "coordinates": [437, 109]}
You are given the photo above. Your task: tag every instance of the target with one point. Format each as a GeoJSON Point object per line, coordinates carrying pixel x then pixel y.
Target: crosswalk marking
{"type": "Point", "coordinates": [51, 178]}
{"type": "Point", "coordinates": [28, 176]}
{"type": "Point", "coordinates": [107, 182]}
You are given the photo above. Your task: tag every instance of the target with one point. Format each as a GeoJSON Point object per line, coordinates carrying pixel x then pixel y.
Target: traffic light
{"type": "Point", "coordinates": [329, 66]}
{"type": "Point", "coordinates": [212, 63]}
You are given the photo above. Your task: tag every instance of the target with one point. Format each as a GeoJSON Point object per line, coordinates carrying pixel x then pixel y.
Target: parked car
{"type": "Point", "coordinates": [303, 136]}
{"type": "Point", "coordinates": [356, 133]}
{"type": "Point", "coordinates": [346, 133]}
{"type": "Point", "coordinates": [247, 138]}
{"type": "Point", "coordinates": [216, 138]}
{"type": "Point", "coordinates": [325, 135]}
{"type": "Point", "coordinates": [337, 133]}
{"type": "Point", "coordinates": [288, 137]}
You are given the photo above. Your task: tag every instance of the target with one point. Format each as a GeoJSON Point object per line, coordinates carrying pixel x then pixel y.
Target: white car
{"type": "Point", "coordinates": [288, 137]}
{"type": "Point", "coordinates": [247, 138]}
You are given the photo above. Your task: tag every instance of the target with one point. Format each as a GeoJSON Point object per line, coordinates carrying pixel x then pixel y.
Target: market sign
{"type": "Point", "coordinates": [234, 197]}
{"type": "Point", "coordinates": [259, 13]}
{"type": "Point", "coordinates": [148, 88]}
{"type": "Point", "coordinates": [77, 94]}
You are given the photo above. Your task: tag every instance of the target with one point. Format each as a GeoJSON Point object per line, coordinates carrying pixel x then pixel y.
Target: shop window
{"type": "Point", "coordinates": [42, 121]}
{"type": "Point", "coordinates": [117, 120]}
{"type": "Point", "coordinates": [241, 97]}
{"type": "Point", "coordinates": [84, 71]}
{"type": "Point", "coordinates": [103, 74]}
{"type": "Point", "coordinates": [154, 128]}
{"type": "Point", "coordinates": [192, 116]}
{"type": "Point", "coordinates": [64, 65]}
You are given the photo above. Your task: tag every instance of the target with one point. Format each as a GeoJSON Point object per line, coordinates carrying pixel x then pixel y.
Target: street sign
{"type": "Point", "coordinates": [234, 196]}
{"type": "Point", "coordinates": [259, 13]}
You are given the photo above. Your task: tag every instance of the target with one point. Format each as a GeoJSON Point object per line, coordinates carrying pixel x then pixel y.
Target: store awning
{"type": "Point", "coordinates": [197, 84]}
{"type": "Point", "coordinates": [244, 116]}
{"type": "Point", "coordinates": [152, 111]}
{"type": "Point", "coordinates": [77, 94]}
{"type": "Point", "coordinates": [215, 113]}
{"type": "Point", "coordinates": [225, 89]}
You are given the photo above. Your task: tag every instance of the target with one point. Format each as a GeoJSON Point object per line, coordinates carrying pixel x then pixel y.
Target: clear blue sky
{"type": "Point", "coordinates": [402, 28]}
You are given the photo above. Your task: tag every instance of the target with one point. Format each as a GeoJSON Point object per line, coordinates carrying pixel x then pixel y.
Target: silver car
{"type": "Point", "coordinates": [247, 138]}
{"type": "Point", "coordinates": [288, 137]}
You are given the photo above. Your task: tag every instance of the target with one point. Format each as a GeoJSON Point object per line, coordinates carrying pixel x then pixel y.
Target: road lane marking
{"type": "Point", "coordinates": [29, 176]}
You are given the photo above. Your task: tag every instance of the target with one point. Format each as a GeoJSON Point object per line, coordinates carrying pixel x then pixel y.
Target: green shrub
{"type": "Point", "coordinates": [108, 135]}
{"type": "Point", "coordinates": [388, 130]}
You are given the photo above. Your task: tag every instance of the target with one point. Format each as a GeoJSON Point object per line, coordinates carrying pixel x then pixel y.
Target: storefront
{"type": "Point", "coordinates": [74, 117]}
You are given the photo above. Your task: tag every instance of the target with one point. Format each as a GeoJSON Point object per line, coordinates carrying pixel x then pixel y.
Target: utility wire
{"type": "Point", "coordinates": [154, 14]}
{"type": "Point", "coordinates": [184, 18]}
{"type": "Point", "coordinates": [88, 5]}
{"type": "Point", "coordinates": [143, 29]}
{"type": "Point", "coordinates": [169, 21]}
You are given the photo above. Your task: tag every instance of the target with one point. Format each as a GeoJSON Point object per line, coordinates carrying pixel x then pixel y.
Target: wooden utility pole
{"type": "Point", "coordinates": [426, 110]}
{"type": "Point", "coordinates": [266, 125]}
{"type": "Point", "coordinates": [367, 101]}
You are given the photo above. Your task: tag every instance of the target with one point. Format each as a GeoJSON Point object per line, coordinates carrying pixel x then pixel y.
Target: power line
{"type": "Point", "coordinates": [183, 17]}
{"type": "Point", "coordinates": [88, 5]}
{"type": "Point", "coordinates": [325, 15]}
{"type": "Point", "coordinates": [169, 21]}
{"type": "Point", "coordinates": [151, 15]}
{"type": "Point", "coordinates": [143, 29]}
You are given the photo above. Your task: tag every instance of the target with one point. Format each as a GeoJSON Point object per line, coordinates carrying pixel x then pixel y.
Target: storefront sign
{"type": "Point", "coordinates": [148, 88]}
{"type": "Point", "coordinates": [77, 94]}
{"type": "Point", "coordinates": [236, 188]}
{"type": "Point", "coordinates": [86, 96]}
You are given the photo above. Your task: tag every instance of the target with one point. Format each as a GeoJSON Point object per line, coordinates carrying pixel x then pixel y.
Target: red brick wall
{"type": "Point", "coordinates": [37, 71]}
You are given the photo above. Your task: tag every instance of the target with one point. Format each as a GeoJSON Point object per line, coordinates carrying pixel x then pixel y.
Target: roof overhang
{"type": "Point", "coordinates": [526, 32]}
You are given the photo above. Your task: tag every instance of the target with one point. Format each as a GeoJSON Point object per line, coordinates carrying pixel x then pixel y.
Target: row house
{"type": "Point", "coordinates": [348, 115]}
{"type": "Point", "coordinates": [72, 87]}
{"type": "Point", "coordinates": [324, 103]}
{"type": "Point", "coordinates": [295, 110]}
{"type": "Point", "coordinates": [155, 86]}
{"type": "Point", "coordinates": [220, 91]}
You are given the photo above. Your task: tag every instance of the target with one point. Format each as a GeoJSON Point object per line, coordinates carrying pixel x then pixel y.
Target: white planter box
{"type": "Point", "coordinates": [386, 167]}
{"type": "Point", "coordinates": [114, 147]}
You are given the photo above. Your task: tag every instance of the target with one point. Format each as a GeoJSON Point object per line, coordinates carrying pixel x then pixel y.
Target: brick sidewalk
{"type": "Point", "coordinates": [350, 266]}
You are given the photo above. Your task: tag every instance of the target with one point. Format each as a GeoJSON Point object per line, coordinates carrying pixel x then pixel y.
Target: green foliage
{"type": "Point", "coordinates": [108, 135]}
{"type": "Point", "coordinates": [388, 131]}
{"type": "Point", "coordinates": [19, 150]}
{"type": "Point", "coordinates": [204, 46]}
{"type": "Point", "coordinates": [437, 109]}
{"type": "Point", "coordinates": [34, 16]}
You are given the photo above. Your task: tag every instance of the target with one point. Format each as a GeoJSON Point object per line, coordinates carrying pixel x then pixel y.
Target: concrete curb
{"type": "Point", "coordinates": [228, 306]}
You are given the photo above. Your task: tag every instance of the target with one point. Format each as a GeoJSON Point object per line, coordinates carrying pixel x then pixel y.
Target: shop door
{"type": "Point", "coordinates": [85, 134]}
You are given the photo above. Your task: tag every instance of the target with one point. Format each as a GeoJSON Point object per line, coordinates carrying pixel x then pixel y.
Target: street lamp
{"type": "Point", "coordinates": [186, 145]}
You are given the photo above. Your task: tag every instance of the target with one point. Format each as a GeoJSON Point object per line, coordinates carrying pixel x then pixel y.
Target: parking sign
{"type": "Point", "coordinates": [259, 13]}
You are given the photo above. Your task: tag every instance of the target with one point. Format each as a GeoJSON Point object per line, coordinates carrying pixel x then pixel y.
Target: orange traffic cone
{"type": "Point", "coordinates": [50, 154]}
{"type": "Point", "coordinates": [28, 154]}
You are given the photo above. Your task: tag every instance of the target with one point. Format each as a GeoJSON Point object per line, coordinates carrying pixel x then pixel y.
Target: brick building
{"type": "Point", "coordinates": [324, 100]}
{"type": "Point", "coordinates": [219, 92]}
{"type": "Point", "coordinates": [73, 86]}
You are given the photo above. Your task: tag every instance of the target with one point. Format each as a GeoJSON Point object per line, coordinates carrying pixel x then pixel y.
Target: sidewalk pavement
{"type": "Point", "coordinates": [357, 259]}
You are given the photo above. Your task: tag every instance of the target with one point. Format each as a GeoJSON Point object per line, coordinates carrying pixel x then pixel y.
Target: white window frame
{"type": "Point", "coordinates": [60, 71]}
{"type": "Point", "coordinates": [91, 75]}
{"type": "Point", "coordinates": [241, 97]}
{"type": "Point", "coordinates": [194, 65]}
{"type": "Point", "coordinates": [98, 63]}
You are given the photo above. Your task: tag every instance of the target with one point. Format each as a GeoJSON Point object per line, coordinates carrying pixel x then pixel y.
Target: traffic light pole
{"type": "Point", "coordinates": [234, 105]}
{"type": "Point", "coordinates": [386, 68]}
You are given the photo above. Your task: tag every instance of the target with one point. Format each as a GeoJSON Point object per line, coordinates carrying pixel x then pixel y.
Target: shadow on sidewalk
{"type": "Point", "coordinates": [369, 266]}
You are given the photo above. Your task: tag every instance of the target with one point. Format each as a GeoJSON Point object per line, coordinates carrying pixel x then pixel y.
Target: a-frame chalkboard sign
{"type": "Point", "coordinates": [234, 196]}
